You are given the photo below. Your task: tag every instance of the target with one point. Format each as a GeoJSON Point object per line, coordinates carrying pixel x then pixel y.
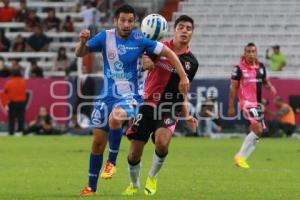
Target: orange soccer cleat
{"type": "Point", "coordinates": [87, 191]}
{"type": "Point", "coordinates": [109, 170]}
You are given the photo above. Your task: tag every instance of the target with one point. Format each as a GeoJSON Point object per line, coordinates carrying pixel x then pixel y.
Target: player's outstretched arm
{"type": "Point", "coordinates": [184, 84]}
{"type": "Point", "coordinates": [268, 85]}
{"type": "Point", "coordinates": [81, 48]}
{"type": "Point", "coordinates": [232, 95]}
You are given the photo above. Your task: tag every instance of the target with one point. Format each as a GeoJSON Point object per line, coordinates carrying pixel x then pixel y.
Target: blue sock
{"type": "Point", "coordinates": [95, 166]}
{"type": "Point", "coordinates": [114, 139]}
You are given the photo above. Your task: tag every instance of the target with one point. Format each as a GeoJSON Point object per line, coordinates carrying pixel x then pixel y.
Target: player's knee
{"type": "Point", "coordinates": [98, 146]}
{"type": "Point", "coordinates": [161, 146]}
{"type": "Point", "coordinates": [116, 118]}
{"type": "Point", "coordinates": [257, 128]}
{"type": "Point", "coordinates": [134, 157]}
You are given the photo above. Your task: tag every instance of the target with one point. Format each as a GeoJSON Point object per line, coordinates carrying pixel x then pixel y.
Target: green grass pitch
{"type": "Point", "coordinates": [55, 168]}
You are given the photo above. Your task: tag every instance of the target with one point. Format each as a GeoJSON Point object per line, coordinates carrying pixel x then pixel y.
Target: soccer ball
{"type": "Point", "coordinates": [154, 26]}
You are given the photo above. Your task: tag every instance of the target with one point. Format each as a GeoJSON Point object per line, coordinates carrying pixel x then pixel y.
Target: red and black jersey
{"type": "Point", "coordinates": [162, 82]}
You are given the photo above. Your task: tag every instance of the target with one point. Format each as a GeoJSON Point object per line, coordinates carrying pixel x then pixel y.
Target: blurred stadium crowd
{"type": "Point", "coordinates": [38, 39]}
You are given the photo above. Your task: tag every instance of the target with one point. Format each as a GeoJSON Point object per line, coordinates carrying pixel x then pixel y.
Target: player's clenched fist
{"type": "Point", "coordinates": [84, 35]}
{"type": "Point", "coordinates": [184, 85]}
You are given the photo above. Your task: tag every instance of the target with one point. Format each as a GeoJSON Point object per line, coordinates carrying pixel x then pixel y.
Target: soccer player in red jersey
{"type": "Point", "coordinates": [163, 102]}
{"type": "Point", "coordinates": [247, 79]}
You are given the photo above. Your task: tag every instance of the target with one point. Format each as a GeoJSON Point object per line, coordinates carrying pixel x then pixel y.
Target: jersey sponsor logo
{"type": "Point", "coordinates": [253, 80]}
{"type": "Point", "coordinates": [111, 55]}
{"type": "Point", "coordinates": [187, 65]}
{"type": "Point", "coordinates": [119, 75]}
{"type": "Point", "coordinates": [121, 49]}
{"type": "Point", "coordinates": [132, 48]}
{"type": "Point", "coordinates": [118, 65]}
{"type": "Point", "coordinates": [168, 121]}
{"type": "Point", "coordinates": [246, 75]}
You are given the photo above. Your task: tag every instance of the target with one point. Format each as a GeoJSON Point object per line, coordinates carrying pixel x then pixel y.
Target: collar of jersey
{"type": "Point", "coordinates": [170, 44]}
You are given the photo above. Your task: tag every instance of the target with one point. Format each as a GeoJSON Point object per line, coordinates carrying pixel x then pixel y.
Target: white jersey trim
{"type": "Point", "coordinates": [159, 47]}
{"type": "Point", "coordinates": [122, 84]}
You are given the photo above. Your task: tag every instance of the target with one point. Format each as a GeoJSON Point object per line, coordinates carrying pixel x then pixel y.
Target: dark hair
{"type": "Point", "coordinates": [184, 18]}
{"type": "Point", "coordinates": [251, 44]}
{"type": "Point", "coordinates": [61, 56]}
{"type": "Point", "coordinates": [51, 9]}
{"type": "Point", "coordinates": [1, 58]}
{"type": "Point", "coordinates": [124, 9]}
{"type": "Point", "coordinates": [2, 32]}
{"type": "Point", "coordinates": [276, 47]}
{"type": "Point", "coordinates": [33, 62]}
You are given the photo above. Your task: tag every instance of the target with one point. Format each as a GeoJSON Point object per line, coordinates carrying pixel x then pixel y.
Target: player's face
{"type": "Point", "coordinates": [124, 24]}
{"type": "Point", "coordinates": [276, 50]}
{"type": "Point", "coordinates": [183, 32]}
{"type": "Point", "coordinates": [250, 54]}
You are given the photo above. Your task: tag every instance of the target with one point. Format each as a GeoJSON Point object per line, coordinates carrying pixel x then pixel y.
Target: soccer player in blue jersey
{"type": "Point", "coordinates": [121, 48]}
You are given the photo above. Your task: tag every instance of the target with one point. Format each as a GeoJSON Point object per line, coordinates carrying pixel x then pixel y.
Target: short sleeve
{"type": "Point", "coordinates": [236, 73]}
{"type": "Point", "coordinates": [151, 46]}
{"type": "Point", "coordinates": [97, 42]}
{"type": "Point", "coordinates": [264, 77]}
{"type": "Point", "coordinates": [194, 67]}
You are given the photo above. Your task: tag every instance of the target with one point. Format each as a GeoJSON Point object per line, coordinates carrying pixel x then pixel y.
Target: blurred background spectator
{"type": "Point", "coordinates": [62, 61]}
{"type": "Point", "coordinates": [7, 13]}
{"type": "Point", "coordinates": [38, 41]}
{"type": "Point", "coordinates": [91, 17]}
{"type": "Point", "coordinates": [283, 121]}
{"type": "Point", "coordinates": [278, 60]}
{"type": "Point", "coordinates": [208, 118]}
{"type": "Point", "coordinates": [35, 71]}
{"type": "Point", "coordinates": [20, 44]}
{"type": "Point", "coordinates": [42, 125]}
{"type": "Point", "coordinates": [51, 23]}
{"type": "Point", "coordinates": [67, 25]}
{"type": "Point", "coordinates": [4, 71]}
{"type": "Point", "coordinates": [15, 66]}
{"type": "Point", "coordinates": [32, 21]}
{"type": "Point", "coordinates": [14, 101]}
{"type": "Point", "coordinates": [4, 42]}
{"type": "Point", "coordinates": [23, 12]}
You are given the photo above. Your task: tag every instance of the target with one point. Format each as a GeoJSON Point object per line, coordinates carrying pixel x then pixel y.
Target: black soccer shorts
{"type": "Point", "coordinates": [146, 122]}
